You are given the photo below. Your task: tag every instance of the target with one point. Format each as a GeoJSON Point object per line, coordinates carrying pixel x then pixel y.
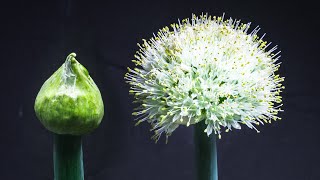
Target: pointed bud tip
{"type": "Point", "coordinates": [73, 54]}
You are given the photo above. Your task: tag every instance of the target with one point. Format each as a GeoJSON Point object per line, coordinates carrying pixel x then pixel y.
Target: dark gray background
{"type": "Point", "coordinates": [36, 36]}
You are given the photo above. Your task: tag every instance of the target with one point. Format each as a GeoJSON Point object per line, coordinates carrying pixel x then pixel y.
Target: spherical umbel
{"type": "Point", "coordinates": [206, 69]}
{"type": "Point", "coordinates": [69, 102]}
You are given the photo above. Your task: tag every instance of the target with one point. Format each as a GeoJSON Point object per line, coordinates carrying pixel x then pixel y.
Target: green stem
{"type": "Point", "coordinates": [67, 157]}
{"type": "Point", "coordinates": [206, 153]}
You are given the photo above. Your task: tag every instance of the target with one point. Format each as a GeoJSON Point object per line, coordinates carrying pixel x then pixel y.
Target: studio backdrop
{"type": "Point", "coordinates": [37, 36]}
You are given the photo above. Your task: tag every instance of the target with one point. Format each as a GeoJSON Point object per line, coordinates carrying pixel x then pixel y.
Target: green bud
{"type": "Point", "coordinates": [69, 102]}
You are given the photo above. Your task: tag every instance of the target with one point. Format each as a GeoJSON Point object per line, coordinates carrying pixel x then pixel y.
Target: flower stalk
{"type": "Point", "coordinates": [68, 157]}
{"type": "Point", "coordinates": [205, 154]}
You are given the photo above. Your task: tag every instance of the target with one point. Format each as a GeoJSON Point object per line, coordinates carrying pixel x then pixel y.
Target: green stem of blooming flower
{"type": "Point", "coordinates": [206, 153]}
{"type": "Point", "coordinates": [67, 157]}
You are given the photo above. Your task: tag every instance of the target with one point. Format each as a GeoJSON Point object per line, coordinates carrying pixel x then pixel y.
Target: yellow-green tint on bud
{"type": "Point", "coordinates": [69, 102]}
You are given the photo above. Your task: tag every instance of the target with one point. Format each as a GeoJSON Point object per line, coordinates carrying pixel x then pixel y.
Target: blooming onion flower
{"type": "Point", "coordinates": [206, 69]}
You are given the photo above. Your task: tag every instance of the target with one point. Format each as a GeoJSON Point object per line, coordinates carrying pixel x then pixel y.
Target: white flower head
{"type": "Point", "coordinates": [206, 69]}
